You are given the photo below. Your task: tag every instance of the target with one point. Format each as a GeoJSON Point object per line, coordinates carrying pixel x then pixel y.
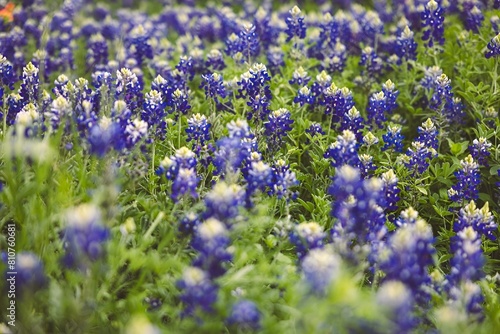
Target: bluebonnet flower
{"type": "Point", "coordinates": [15, 105]}
{"type": "Point", "coordinates": [315, 129]}
{"type": "Point", "coordinates": [211, 241]}
{"type": "Point", "coordinates": [199, 292]}
{"type": "Point", "coordinates": [214, 87]}
{"type": "Point", "coordinates": [198, 130]}
{"type": "Point", "coordinates": [408, 256]}
{"type": "Point", "coordinates": [282, 180]}
{"type": "Point", "coordinates": [493, 47]}
{"type": "Point", "coordinates": [406, 47]}
{"type": "Point", "coordinates": [304, 96]}
{"type": "Point", "coordinates": [27, 119]}
{"type": "Point", "coordinates": [277, 127]}
{"type": "Point", "coordinates": [366, 165]}
{"type": "Point", "coordinates": [391, 95]}
{"type": "Point", "coordinates": [30, 86]}
{"type": "Point", "coordinates": [480, 150]}
{"type": "Point", "coordinates": [307, 236]}
{"type": "Point", "coordinates": [336, 62]}
{"type": "Point", "coordinates": [359, 205]}
{"type": "Point", "coordinates": [228, 156]}
{"type": "Point", "coordinates": [467, 297]}
{"type": "Point", "coordinates": [153, 113]}
{"type": "Point", "coordinates": [473, 17]}
{"type": "Point", "coordinates": [321, 267]}
{"type": "Point", "coordinates": [104, 136]}
{"type": "Point", "coordinates": [245, 315]}
{"type": "Point", "coordinates": [254, 85]}
{"type": "Point", "coordinates": [30, 274]}
{"type": "Point", "coordinates": [481, 220]}
{"type": "Point", "coordinates": [417, 157]}
{"type": "Point", "coordinates": [186, 67]}
{"type": "Point", "coordinates": [371, 25]}
{"type": "Point", "coordinates": [233, 45]}
{"type": "Point", "coordinates": [180, 103]}
{"type": "Point", "coordinates": [396, 299]}
{"type": "Point", "coordinates": [189, 223]}
{"type": "Point", "coordinates": [377, 108]}
{"type": "Point", "coordinates": [428, 135]}
{"type": "Point", "coordinates": [84, 236]}
{"type": "Point", "coordinates": [275, 58]}
{"type": "Point", "coordinates": [344, 151]}
{"type": "Point", "coordinates": [322, 83]}
{"type": "Point", "coordinates": [337, 102]}
{"type": "Point", "coordinates": [60, 108]}
{"type": "Point", "coordinates": [444, 103]}
{"type": "Point", "coordinates": [468, 259]}
{"type": "Point", "coordinates": [391, 190]}
{"type": "Point", "coordinates": [97, 53]}
{"type": "Point", "coordinates": [223, 202]}
{"type": "Point", "coordinates": [353, 121]}
{"type": "Point", "coordinates": [295, 24]}
{"type": "Point", "coordinates": [184, 183]}
{"type": "Point", "coordinates": [495, 21]}
{"type": "Point", "coordinates": [393, 138]}
{"type": "Point", "coordinates": [215, 60]}
{"type": "Point", "coordinates": [300, 77]}
{"type": "Point", "coordinates": [468, 180]}
{"type": "Point", "coordinates": [138, 44]}
{"type": "Point", "coordinates": [7, 77]}
{"type": "Point", "coordinates": [371, 61]}
{"type": "Point", "coordinates": [433, 22]}
{"type": "Point", "coordinates": [135, 131]}
{"type": "Point", "coordinates": [129, 88]}
{"type": "Point", "coordinates": [258, 177]}
{"type": "Point", "coordinates": [430, 75]}
{"type": "Point", "coordinates": [249, 40]}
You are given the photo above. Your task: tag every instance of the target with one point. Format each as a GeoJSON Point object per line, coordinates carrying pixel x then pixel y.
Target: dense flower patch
{"type": "Point", "coordinates": [250, 167]}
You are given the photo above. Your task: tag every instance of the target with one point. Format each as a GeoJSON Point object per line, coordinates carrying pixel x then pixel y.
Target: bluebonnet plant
{"type": "Point", "coordinates": [304, 96]}
{"type": "Point", "coordinates": [30, 274]}
{"type": "Point", "coordinates": [344, 150]}
{"type": "Point", "coordinates": [223, 202]}
{"type": "Point", "coordinates": [377, 108]}
{"type": "Point", "coordinates": [406, 47]}
{"type": "Point", "coordinates": [307, 236]}
{"type": "Point", "coordinates": [300, 77]}
{"type": "Point", "coordinates": [480, 150]}
{"type": "Point", "coordinates": [211, 241]}
{"type": "Point", "coordinates": [245, 315]}
{"type": "Point", "coordinates": [391, 190]}
{"type": "Point", "coordinates": [353, 121]}
{"type": "Point", "coordinates": [393, 138]}
{"type": "Point", "coordinates": [199, 292]}
{"type": "Point", "coordinates": [283, 179]}
{"type": "Point", "coordinates": [30, 86]}
{"type": "Point", "coordinates": [84, 236]}
{"type": "Point", "coordinates": [185, 183]}
{"type": "Point", "coordinates": [189, 223]}
{"type": "Point", "coordinates": [277, 127]}
{"type": "Point", "coordinates": [493, 47]}
{"type": "Point", "coordinates": [371, 61]}
{"type": "Point", "coordinates": [468, 180]}
{"type": "Point", "coordinates": [295, 24]}
{"type": "Point", "coordinates": [214, 87]}
{"type": "Point", "coordinates": [321, 267]}
{"type": "Point", "coordinates": [433, 22]}
{"type": "Point", "coordinates": [481, 220]}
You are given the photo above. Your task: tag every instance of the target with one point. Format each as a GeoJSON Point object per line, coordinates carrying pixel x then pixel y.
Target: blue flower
{"type": "Point", "coordinates": [249, 42]}
{"type": "Point", "coordinates": [307, 236]}
{"type": "Point", "coordinates": [337, 102]}
{"type": "Point", "coordinates": [300, 77]}
{"type": "Point", "coordinates": [354, 122]}
{"type": "Point", "coordinates": [315, 129]}
{"type": "Point", "coordinates": [215, 60]}
{"type": "Point", "coordinates": [371, 61]}
{"type": "Point", "coordinates": [393, 138]}
{"type": "Point", "coordinates": [481, 220]}
{"type": "Point", "coordinates": [199, 292]}
{"type": "Point", "coordinates": [433, 22]}
{"type": "Point", "coordinates": [344, 151]}
{"type": "Point", "coordinates": [129, 88]}
{"type": "Point", "coordinates": [277, 127]}
{"type": "Point", "coordinates": [377, 108]}
{"type": "Point", "coordinates": [493, 47]}
{"type": "Point", "coordinates": [223, 202]}
{"type": "Point", "coordinates": [282, 180]}
{"type": "Point", "coordinates": [30, 85]}
{"type": "Point", "coordinates": [417, 157]}
{"type": "Point", "coordinates": [406, 47]}
{"type": "Point", "coordinates": [473, 16]}
{"type": "Point", "coordinates": [468, 259]}
{"type": "Point", "coordinates": [321, 267]}
{"type": "Point", "coordinates": [184, 183]}
{"type": "Point", "coordinates": [468, 180]}
{"type": "Point", "coordinates": [97, 53]}
{"type": "Point", "coordinates": [391, 190]}
{"type": "Point", "coordinates": [295, 24]}
{"type": "Point", "coordinates": [213, 84]}
{"type": "Point", "coordinates": [30, 275]}
{"type": "Point", "coordinates": [84, 236]}
{"type": "Point", "coordinates": [245, 315]}
{"type": "Point", "coordinates": [153, 113]}
{"type": "Point", "coordinates": [189, 223]}
{"type": "Point", "coordinates": [211, 240]}
{"type": "Point", "coordinates": [407, 257]}
{"type": "Point", "coordinates": [480, 150]}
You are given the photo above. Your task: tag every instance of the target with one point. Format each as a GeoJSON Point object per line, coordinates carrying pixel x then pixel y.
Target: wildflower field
{"type": "Point", "coordinates": [249, 166]}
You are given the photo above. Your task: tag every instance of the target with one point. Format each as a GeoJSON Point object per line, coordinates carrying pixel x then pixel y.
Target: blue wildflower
{"type": "Point", "coordinates": [468, 259]}
{"type": "Point", "coordinates": [428, 135]}
{"type": "Point", "coordinates": [223, 202]}
{"type": "Point", "coordinates": [30, 275]}
{"type": "Point", "coordinates": [468, 180]}
{"type": "Point", "coordinates": [185, 183]}
{"type": "Point", "coordinates": [377, 109]}
{"type": "Point", "coordinates": [417, 157]}
{"type": "Point", "coordinates": [393, 138]}
{"type": "Point", "coordinates": [406, 47]}
{"type": "Point", "coordinates": [129, 88]}
{"type": "Point", "coordinates": [353, 121]}
{"type": "Point", "coordinates": [282, 180]}
{"type": "Point", "coordinates": [300, 77]}
{"type": "Point", "coordinates": [30, 85]}
{"type": "Point", "coordinates": [244, 315]}
{"type": "Point", "coordinates": [473, 17]}
{"type": "Point", "coordinates": [493, 47]}
{"type": "Point", "coordinates": [480, 150]}
{"type": "Point", "coordinates": [211, 241]}
{"type": "Point", "coordinates": [189, 223]}
{"type": "Point", "coordinates": [315, 129]}
{"type": "Point", "coordinates": [304, 96]}
{"type": "Point", "coordinates": [391, 190]}
{"type": "Point", "coordinates": [214, 87]}
{"type": "Point", "coordinates": [321, 267]}
{"type": "Point", "coordinates": [97, 54]}
{"type": "Point", "coordinates": [199, 292]}
{"type": "Point", "coordinates": [371, 61]}
{"type": "Point", "coordinates": [84, 236]}
{"type": "Point", "coordinates": [433, 22]}
{"type": "Point", "coordinates": [307, 236]}
{"type": "Point", "coordinates": [215, 60]}
{"type": "Point", "coordinates": [249, 40]}
{"type": "Point", "coordinates": [344, 151]}
{"type": "Point", "coordinates": [295, 24]}
{"type": "Point", "coordinates": [481, 220]}
{"type": "Point", "coordinates": [138, 44]}
{"type": "Point", "coordinates": [277, 127]}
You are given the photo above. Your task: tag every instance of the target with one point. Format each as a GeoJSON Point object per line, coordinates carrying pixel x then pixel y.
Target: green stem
{"type": "Point", "coordinates": [180, 130]}
{"type": "Point", "coordinates": [154, 225]}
